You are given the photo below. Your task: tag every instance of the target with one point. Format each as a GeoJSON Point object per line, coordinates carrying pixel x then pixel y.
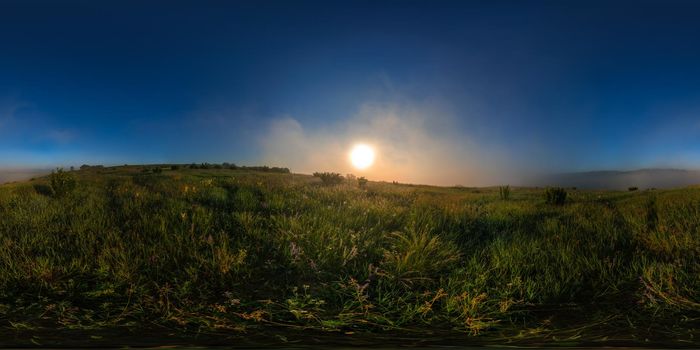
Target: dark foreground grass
{"type": "Point", "coordinates": [211, 255]}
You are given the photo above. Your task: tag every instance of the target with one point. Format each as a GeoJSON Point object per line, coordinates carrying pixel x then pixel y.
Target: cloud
{"type": "Point", "coordinates": [60, 136]}
{"type": "Point", "coordinates": [416, 143]}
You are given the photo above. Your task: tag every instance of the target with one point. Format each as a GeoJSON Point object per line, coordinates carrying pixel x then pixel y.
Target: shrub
{"type": "Point", "coordinates": [174, 167]}
{"type": "Point", "coordinates": [652, 214]}
{"type": "Point", "coordinates": [329, 178]}
{"type": "Point", "coordinates": [633, 188]}
{"type": "Point", "coordinates": [504, 192]}
{"type": "Point", "coordinates": [43, 189]}
{"type": "Point", "coordinates": [555, 195]}
{"type": "Point", "coordinates": [157, 170]}
{"type": "Point", "coordinates": [362, 182]}
{"type": "Point", "coordinates": [62, 183]}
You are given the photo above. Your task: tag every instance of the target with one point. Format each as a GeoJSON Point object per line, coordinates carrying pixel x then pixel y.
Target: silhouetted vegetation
{"type": "Point", "coordinates": [555, 195]}
{"type": "Point", "coordinates": [504, 192]}
{"type": "Point", "coordinates": [231, 166]}
{"type": "Point", "coordinates": [652, 215]}
{"type": "Point", "coordinates": [362, 182]}
{"type": "Point", "coordinates": [329, 178]}
{"type": "Point", "coordinates": [631, 189]}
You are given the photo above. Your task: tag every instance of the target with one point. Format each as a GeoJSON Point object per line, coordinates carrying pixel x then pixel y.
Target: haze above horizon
{"type": "Point", "coordinates": [445, 92]}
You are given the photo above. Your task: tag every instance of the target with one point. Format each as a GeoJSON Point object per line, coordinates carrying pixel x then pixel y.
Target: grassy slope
{"type": "Point", "coordinates": [230, 252]}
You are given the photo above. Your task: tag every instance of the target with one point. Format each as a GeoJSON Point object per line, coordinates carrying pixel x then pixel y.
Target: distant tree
{"type": "Point", "coordinates": [633, 188]}
{"type": "Point", "coordinates": [280, 170]}
{"type": "Point", "coordinates": [174, 167]}
{"type": "Point", "coordinates": [84, 166]}
{"type": "Point", "coordinates": [72, 168]}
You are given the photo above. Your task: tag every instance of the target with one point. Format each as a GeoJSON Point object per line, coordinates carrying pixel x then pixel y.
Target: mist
{"type": "Point", "coordinates": [414, 143]}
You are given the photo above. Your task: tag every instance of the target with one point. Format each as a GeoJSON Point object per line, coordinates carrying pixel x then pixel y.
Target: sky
{"type": "Point", "coordinates": [447, 92]}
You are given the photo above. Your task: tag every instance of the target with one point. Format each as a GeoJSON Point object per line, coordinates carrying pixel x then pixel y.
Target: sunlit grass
{"type": "Point", "coordinates": [233, 250]}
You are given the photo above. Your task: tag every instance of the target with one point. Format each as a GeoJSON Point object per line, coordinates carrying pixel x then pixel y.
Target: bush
{"type": "Point", "coordinates": [652, 214]}
{"type": "Point", "coordinates": [633, 188]}
{"type": "Point", "coordinates": [174, 167]}
{"type": "Point", "coordinates": [62, 183]}
{"type": "Point", "coordinates": [329, 178]}
{"type": "Point", "coordinates": [362, 182]}
{"type": "Point", "coordinates": [157, 170]}
{"type": "Point", "coordinates": [504, 192]}
{"type": "Point", "coordinates": [555, 195]}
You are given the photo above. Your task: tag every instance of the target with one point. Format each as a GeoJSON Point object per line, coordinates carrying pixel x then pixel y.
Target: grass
{"type": "Point", "coordinates": [226, 252]}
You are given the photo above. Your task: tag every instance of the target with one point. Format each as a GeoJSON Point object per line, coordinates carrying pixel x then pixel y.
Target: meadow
{"type": "Point", "coordinates": [217, 254]}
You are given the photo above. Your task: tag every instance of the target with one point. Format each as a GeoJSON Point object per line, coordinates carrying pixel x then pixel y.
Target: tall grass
{"type": "Point", "coordinates": [235, 250]}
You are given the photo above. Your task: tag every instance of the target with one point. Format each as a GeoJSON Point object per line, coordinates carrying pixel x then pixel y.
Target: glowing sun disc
{"type": "Point", "coordinates": [362, 156]}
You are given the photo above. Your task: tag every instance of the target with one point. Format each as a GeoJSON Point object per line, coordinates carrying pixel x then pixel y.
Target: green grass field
{"type": "Point", "coordinates": [236, 253]}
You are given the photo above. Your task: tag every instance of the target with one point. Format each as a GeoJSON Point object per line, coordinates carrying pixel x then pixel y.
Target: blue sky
{"type": "Point", "coordinates": [507, 86]}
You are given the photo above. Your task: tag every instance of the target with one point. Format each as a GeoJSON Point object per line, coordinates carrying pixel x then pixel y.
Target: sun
{"type": "Point", "coordinates": [362, 156]}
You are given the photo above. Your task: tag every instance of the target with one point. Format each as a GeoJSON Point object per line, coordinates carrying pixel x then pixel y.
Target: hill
{"type": "Point", "coordinates": [172, 255]}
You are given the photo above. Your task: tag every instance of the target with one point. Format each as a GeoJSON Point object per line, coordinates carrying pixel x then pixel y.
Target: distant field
{"type": "Point", "coordinates": [202, 254]}
{"type": "Point", "coordinates": [9, 175]}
